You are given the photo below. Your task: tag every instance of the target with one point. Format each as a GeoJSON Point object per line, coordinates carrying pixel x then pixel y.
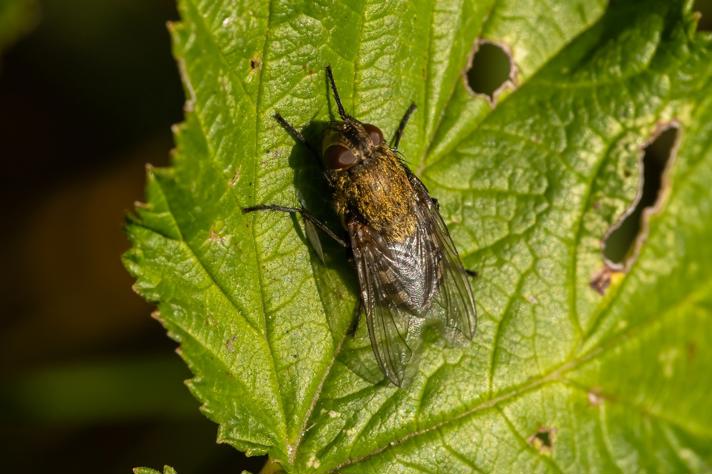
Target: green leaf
{"type": "Point", "coordinates": [148, 470]}
{"type": "Point", "coordinates": [559, 377]}
{"type": "Point", "coordinates": [111, 391]}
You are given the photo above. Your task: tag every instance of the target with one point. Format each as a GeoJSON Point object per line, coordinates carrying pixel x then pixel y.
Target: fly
{"type": "Point", "coordinates": [407, 265]}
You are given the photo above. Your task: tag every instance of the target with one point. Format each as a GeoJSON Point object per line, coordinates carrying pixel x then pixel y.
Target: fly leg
{"type": "Point", "coordinates": [355, 318]}
{"type": "Point", "coordinates": [311, 221]}
{"type": "Point", "coordinates": [308, 216]}
{"type": "Point", "coordinates": [296, 134]}
{"type": "Point", "coordinates": [401, 126]}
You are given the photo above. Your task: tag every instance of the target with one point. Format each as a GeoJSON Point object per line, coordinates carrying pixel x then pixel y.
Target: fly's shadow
{"type": "Point", "coordinates": [408, 269]}
{"type": "Point", "coordinates": [334, 271]}
{"type": "Point", "coordinates": [313, 194]}
{"type": "Point", "coordinates": [335, 275]}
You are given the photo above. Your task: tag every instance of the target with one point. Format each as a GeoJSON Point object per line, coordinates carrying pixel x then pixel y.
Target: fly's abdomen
{"type": "Point", "coordinates": [410, 274]}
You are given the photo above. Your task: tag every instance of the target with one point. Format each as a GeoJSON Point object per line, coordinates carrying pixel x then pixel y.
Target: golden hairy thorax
{"type": "Point", "coordinates": [378, 192]}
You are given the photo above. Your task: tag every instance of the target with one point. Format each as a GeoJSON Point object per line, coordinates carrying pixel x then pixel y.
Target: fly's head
{"type": "Point", "coordinates": [349, 143]}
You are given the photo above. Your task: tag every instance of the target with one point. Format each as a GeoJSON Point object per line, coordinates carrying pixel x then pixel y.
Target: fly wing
{"type": "Point", "coordinates": [388, 322]}
{"type": "Point", "coordinates": [455, 295]}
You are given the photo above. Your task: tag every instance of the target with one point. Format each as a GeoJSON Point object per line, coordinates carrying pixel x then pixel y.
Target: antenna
{"type": "Point", "coordinates": [330, 76]}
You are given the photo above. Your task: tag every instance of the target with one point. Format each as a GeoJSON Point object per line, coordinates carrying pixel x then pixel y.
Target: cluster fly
{"type": "Point", "coordinates": [407, 265]}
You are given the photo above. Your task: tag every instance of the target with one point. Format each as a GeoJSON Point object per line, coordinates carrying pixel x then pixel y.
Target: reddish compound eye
{"type": "Point", "coordinates": [375, 133]}
{"type": "Point", "coordinates": [339, 157]}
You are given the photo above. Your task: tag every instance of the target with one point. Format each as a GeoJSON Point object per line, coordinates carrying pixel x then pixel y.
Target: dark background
{"type": "Point", "coordinates": [88, 381]}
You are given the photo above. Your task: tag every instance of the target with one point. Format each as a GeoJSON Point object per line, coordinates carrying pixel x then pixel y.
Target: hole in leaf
{"type": "Point", "coordinates": [704, 9]}
{"type": "Point", "coordinates": [255, 63]}
{"type": "Point", "coordinates": [543, 440]}
{"type": "Point", "coordinates": [623, 240]}
{"type": "Point", "coordinates": [489, 70]}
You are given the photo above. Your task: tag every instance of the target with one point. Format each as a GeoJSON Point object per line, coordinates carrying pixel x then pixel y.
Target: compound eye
{"type": "Point", "coordinates": [338, 157]}
{"type": "Point", "coordinates": [375, 133]}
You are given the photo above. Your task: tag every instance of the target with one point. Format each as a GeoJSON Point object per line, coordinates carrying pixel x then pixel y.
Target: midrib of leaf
{"type": "Point", "coordinates": [207, 347]}
{"type": "Point", "coordinates": [196, 113]}
{"type": "Point", "coordinates": [293, 448]}
{"type": "Point", "coordinates": [357, 63]}
{"type": "Point", "coordinates": [293, 440]}
{"type": "Point", "coordinates": [263, 305]}
{"type": "Point", "coordinates": [294, 445]}
{"type": "Point", "coordinates": [428, 73]}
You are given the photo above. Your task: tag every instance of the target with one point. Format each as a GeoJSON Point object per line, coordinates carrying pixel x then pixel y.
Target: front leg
{"type": "Point", "coordinates": [308, 216]}
{"type": "Point", "coordinates": [296, 134]}
{"type": "Point", "coordinates": [401, 126]}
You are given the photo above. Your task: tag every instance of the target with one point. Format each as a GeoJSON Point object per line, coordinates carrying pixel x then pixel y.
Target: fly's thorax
{"type": "Point", "coordinates": [369, 181]}
{"type": "Point", "coordinates": [377, 191]}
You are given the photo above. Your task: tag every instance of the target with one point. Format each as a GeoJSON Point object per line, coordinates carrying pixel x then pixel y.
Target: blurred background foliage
{"type": "Point", "coordinates": [88, 381]}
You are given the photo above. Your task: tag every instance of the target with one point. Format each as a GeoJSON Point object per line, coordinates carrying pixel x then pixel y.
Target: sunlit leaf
{"type": "Point", "coordinates": [559, 377]}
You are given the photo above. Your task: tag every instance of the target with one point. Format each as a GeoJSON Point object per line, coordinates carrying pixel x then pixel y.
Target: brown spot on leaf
{"type": "Point", "coordinates": [594, 397]}
{"type": "Point", "coordinates": [543, 440]}
{"type": "Point", "coordinates": [255, 63]}
{"type": "Point", "coordinates": [602, 280]}
{"type": "Point", "coordinates": [230, 344]}
{"type": "Point", "coordinates": [215, 237]}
